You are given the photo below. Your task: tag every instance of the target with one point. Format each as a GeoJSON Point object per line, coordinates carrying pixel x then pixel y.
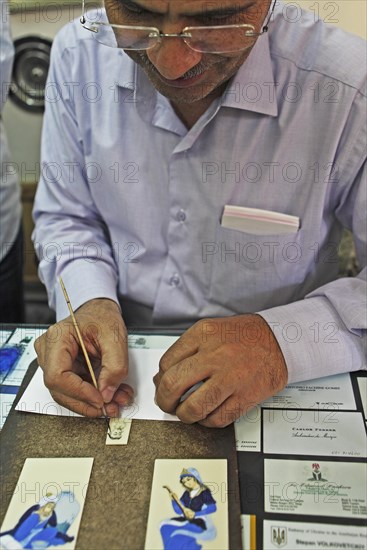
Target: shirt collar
{"type": "Point", "coordinates": [252, 88]}
{"type": "Point", "coordinates": [125, 73]}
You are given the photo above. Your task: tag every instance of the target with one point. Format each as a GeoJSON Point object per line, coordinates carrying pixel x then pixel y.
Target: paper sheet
{"type": "Point", "coordinates": [248, 431]}
{"type": "Point", "coordinates": [338, 434]}
{"type": "Point", "coordinates": [314, 487]}
{"type": "Point", "coordinates": [330, 393]}
{"type": "Point", "coordinates": [143, 365]}
{"type": "Point", "coordinates": [300, 536]}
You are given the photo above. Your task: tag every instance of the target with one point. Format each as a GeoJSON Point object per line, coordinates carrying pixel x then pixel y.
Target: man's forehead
{"type": "Point", "coordinates": [191, 6]}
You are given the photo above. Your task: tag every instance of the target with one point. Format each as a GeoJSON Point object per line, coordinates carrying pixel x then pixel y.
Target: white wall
{"type": "Point", "coordinates": [350, 15]}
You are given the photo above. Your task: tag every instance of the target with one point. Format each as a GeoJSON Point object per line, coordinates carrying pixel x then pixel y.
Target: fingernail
{"type": "Point", "coordinates": [113, 410]}
{"type": "Point", "coordinates": [128, 390]}
{"type": "Point", "coordinates": [108, 393]}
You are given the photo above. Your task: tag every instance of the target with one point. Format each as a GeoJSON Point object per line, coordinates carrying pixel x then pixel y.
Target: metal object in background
{"type": "Point", "coordinates": [31, 64]}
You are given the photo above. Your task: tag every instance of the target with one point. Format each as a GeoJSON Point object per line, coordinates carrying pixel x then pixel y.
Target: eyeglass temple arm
{"type": "Point", "coordinates": [266, 26]}
{"type": "Point", "coordinates": [83, 20]}
{"type": "Point", "coordinates": [82, 17]}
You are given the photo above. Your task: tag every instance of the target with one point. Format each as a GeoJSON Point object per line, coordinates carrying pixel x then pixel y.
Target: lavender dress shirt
{"type": "Point", "coordinates": [130, 201]}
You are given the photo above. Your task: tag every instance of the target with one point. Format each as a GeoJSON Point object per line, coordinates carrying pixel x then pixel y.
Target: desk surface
{"type": "Point", "coordinates": [30, 435]}
{"type": "Point", "coordinates": [117, 504]}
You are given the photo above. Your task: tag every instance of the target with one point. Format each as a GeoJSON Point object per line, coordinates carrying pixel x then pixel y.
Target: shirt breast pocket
{"type": "Point", "coordinates": [247, 270]}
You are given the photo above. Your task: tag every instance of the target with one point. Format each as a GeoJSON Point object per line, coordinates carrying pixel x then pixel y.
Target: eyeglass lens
{"type": "Point", "coordinates": [211, 39]}
{"type": "Point", "coordinates": [202, 39]}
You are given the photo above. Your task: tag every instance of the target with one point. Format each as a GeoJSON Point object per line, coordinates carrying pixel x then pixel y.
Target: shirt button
{"type": "Point", "coordinates": [181, 215]}
{"type": "Point", "coordinates": [174, 280]}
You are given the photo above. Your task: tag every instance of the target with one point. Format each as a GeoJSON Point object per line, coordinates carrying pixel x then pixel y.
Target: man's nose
{"type": "Point", "coordinates": [172, 57]}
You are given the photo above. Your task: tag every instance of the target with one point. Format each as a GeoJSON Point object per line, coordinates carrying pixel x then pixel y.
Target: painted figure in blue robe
{"type": "Point", "coordinates": [193, 525]}
{"type": "Point", "coordinates": [40, 526]}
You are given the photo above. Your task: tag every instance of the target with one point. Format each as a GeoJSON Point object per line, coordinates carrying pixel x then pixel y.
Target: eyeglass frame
{"type": "Point", "coordinates": [183, 34]}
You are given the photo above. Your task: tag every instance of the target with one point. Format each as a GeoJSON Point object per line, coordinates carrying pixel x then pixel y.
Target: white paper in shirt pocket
{"type": "Point", "coordinates": [258, 222]}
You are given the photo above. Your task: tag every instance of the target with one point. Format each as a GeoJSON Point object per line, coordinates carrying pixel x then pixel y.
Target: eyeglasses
{"type": "Point", "coordinates": [204, 39]}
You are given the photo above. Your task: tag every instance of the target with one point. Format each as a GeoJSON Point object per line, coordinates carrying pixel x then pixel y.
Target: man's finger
{"type": "Point", "coordinates": [183, 348]}
{"type": "Point", "coordinates": [115, 367]}
{"type": "Point", "coordinates": [202, 402]}
{"type": "Point", "coordinates": [172, 385]}
{"type": "Point", "coordinates": [124, 395]}
{"type": "Point", "coordinates": [70, 385]}
{"type": "Point", "coordinates": [112, 409]}
{"type": "Point", "coordinates": [60, 378]}
{"type": "Point", "coordinates": [84, 409]}
{"type": "Point", "coordinates": [110, 379]}
{"type": "Point", "coordinates": [225, 414]}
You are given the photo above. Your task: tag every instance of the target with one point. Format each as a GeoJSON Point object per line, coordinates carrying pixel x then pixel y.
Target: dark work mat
{"type": "Point", "coordinates": [117, 504]}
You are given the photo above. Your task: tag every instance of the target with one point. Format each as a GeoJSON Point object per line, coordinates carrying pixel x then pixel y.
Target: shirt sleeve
{"type": "Point", "coordinates": [6, 52]}
{"type": "Point", "coordinates": [326, 333]}
{"type": "Point", "coordinates": [70, 237]}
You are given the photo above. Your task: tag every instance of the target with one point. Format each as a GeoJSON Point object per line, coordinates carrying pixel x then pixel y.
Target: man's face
{"type": "Point", "coordinates": [176, 71]}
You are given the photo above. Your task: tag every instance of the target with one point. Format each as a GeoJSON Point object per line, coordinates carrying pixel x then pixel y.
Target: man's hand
{"type": "Point", "coordinates": [237, 358]}
{"type": "Point", "coordinates": [65, 372]}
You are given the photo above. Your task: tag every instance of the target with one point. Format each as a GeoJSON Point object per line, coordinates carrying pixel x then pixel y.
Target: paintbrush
{"type": "Point", "coordinates": [85, 353]}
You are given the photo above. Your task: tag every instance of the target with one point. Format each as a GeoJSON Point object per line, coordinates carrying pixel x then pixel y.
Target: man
{"type": "Point", "coordinates": [142, 151]}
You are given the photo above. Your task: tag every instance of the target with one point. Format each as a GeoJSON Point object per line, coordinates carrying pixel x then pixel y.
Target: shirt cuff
{"type": "Point", "coordinates": [83, 283]}
{"type": "Point", "coordinates": [314, 340]}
